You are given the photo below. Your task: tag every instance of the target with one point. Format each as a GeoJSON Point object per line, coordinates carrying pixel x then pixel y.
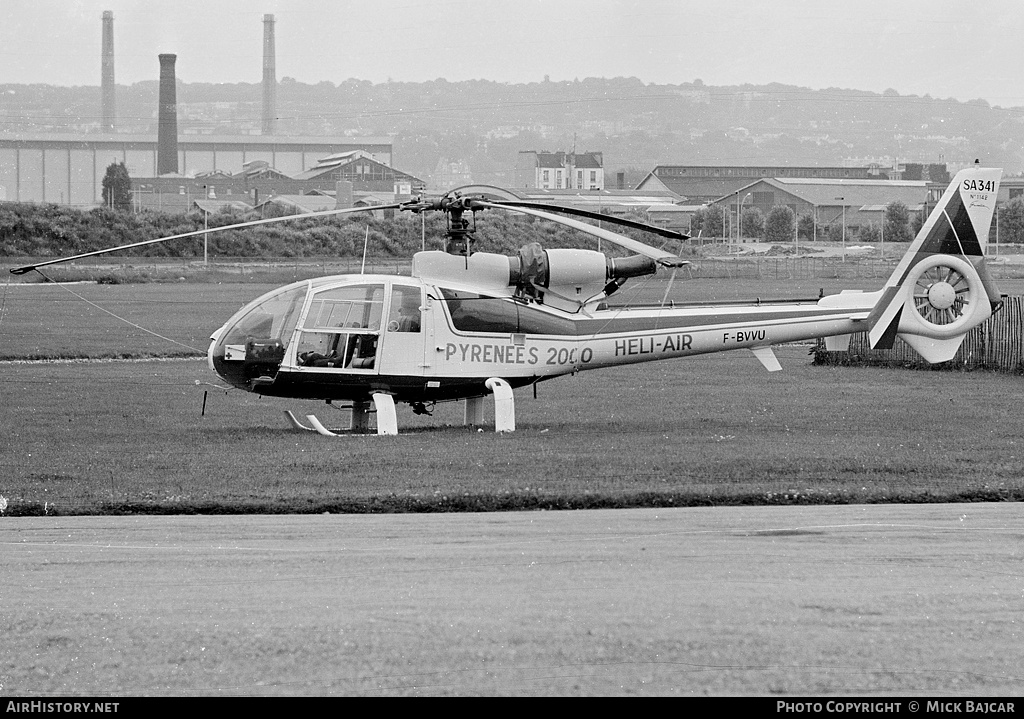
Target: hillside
{"type": "Point", "coordinates": [484, 124]}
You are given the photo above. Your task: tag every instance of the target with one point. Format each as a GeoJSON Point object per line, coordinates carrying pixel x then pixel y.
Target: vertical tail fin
{"type": "Point", "coordinates": [941, 288]}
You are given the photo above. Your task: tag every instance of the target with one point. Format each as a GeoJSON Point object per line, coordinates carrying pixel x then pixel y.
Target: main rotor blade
{"type": "Point", "coordinates": [251, 223]}
{"type": "Point", "coordinates": [666, 259]}
{"type": "Point", "coordinates": [664, 232]}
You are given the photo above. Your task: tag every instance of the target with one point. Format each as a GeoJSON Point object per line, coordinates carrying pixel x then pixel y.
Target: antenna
{"type": "Point", "coordinates": [366, 241]}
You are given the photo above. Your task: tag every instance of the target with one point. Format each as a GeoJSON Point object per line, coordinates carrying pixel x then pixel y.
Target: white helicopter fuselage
{"type": "Point", "coordinates": [314, 334]}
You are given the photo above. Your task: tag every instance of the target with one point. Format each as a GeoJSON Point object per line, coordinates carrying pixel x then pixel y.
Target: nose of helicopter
{"type": "Point", "coordinates": [251, 345]}
{"type": "Point", "coordinates": [209, 352]}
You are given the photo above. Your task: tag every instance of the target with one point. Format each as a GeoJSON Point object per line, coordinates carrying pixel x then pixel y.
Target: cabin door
{"type": "Point", "coordinates": [405, 335]}
{"type": "Point", "coordinates": [341, 330]}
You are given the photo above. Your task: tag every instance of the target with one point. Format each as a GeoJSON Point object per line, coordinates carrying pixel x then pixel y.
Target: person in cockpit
{"type": "Point", "coordinates": [409, 318]}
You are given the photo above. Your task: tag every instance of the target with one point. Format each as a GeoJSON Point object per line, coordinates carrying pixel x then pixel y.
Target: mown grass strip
{"type": "Point", "coordinates": [130, 437]}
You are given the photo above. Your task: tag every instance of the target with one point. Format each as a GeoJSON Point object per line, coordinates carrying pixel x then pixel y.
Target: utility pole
{"type": "Point", "coordinates": [843, 200]}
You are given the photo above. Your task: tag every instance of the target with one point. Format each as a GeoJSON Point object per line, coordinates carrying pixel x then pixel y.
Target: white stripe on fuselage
{"type": "Point", "coordinates": [685, 332]}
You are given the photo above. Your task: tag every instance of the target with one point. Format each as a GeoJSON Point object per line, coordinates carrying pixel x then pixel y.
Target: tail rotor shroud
{"type": "Point", "coordinates": [947, 296]}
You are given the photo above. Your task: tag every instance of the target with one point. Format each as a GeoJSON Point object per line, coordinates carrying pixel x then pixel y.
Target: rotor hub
{"type": "Point", "coordinates": [941, 295]}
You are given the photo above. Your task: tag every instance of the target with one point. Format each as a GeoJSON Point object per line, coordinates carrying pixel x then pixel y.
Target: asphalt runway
{"type": "Point", "coordinates": [878, 600]}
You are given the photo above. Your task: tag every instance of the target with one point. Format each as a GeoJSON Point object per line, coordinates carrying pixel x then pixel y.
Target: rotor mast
{"type": "Point", "coordinates": [458, 237]}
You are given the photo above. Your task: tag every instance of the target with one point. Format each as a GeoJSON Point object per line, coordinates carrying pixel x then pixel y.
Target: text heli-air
{"type": "Point", "coordinates": [469, 324]}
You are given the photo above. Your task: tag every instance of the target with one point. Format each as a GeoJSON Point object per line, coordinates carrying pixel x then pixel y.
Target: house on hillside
{"type": "Point", "coordinates": [560, 170]}
{"type": "Point", "coordinates": [450, 173]}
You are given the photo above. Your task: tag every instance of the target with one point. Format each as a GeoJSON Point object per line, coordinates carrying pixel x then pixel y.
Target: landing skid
{"type": "Point", "coordinates": [384, 406]}
{"type": "Point", "coordinates": [387, 421]}
{"type": "Point", "coordinates": [296, 423]}
{"type": "Point", "coordinates": [317, 427]}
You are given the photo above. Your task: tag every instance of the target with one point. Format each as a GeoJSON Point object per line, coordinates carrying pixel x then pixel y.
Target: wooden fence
{"type": "Point", "coordinates": [997, 344]}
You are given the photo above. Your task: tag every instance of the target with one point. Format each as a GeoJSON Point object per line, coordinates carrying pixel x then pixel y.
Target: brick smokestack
{"type": "Point", "coordinates": [167, 127]}
{"type": "Point", "coordinates": [107, 73]}
{"type": "Point", "coordinates": [269, 76]}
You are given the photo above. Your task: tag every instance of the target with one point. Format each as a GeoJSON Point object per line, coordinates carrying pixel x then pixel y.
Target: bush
{"type": "Point", "coordinates": [53, 231]}
{"type": "Point", "coordinates": [779, 225]}
{"type": "Point", "coordinates": [869, 234]}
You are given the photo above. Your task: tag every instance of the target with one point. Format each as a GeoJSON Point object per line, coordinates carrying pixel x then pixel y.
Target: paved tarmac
{"type": "Point", "coordinates": [879, 600]}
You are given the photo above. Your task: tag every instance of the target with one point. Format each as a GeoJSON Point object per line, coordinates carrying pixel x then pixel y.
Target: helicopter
{"type": "Point", "coordinates": [467, 325]}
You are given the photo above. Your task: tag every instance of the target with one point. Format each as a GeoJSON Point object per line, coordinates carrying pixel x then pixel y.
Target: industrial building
{"type": "Point", "coordinates": [856, 203]}
{"type": "Point", "coordinates": [68, 169]}
{"type": "Point", "coordinates": [707, 183]}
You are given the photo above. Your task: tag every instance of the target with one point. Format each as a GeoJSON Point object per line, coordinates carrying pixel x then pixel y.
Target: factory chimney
{"type": "Point", "coordinates": [107, 73]}
{"type": "Point", "coordinates": [269, 76]}
{"type": "Point", "coordinates": [167, 123]}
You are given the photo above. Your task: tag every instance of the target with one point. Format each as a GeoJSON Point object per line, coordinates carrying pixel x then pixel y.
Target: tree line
{"type": "Point", "coordinates": [50, 230]}
{"type": "Point", "coordinates": [898, 224]}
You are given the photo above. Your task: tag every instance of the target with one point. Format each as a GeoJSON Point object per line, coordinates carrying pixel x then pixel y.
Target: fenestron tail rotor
{"type": "Point", "coordinates": [942, 295]}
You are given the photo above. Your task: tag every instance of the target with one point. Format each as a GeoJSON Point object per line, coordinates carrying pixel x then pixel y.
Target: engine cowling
{"type": "Point", "coordinates": [562, 278]}
{"type": "Point", "coordinates": [567, 277]}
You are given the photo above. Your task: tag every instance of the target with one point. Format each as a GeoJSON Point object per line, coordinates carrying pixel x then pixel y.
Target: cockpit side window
{"type": "Point", "coordinates": [405, 309]}
{"type": "Point", "coordinates": [360, 306]}
{"type": "Point", "coordinates": [472, 312]}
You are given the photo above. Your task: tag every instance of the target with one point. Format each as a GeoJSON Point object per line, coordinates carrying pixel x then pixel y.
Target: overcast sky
{"type": "Point", "coordinates": [943, 48]}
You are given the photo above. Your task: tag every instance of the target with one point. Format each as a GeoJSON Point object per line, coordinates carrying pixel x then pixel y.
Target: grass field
{"type": "Point", "coordinates": [132, 437]}
{"type": "Point", "coordinates": [122, 436]}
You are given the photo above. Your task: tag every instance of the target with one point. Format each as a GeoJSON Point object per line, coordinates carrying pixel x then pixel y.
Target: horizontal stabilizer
{"type": "Point", "coordinates": [767, 358]}
{"type": "Point", "coordinates": [934, 350]}
{"type": "Point", "coordinates": [837, 343]}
